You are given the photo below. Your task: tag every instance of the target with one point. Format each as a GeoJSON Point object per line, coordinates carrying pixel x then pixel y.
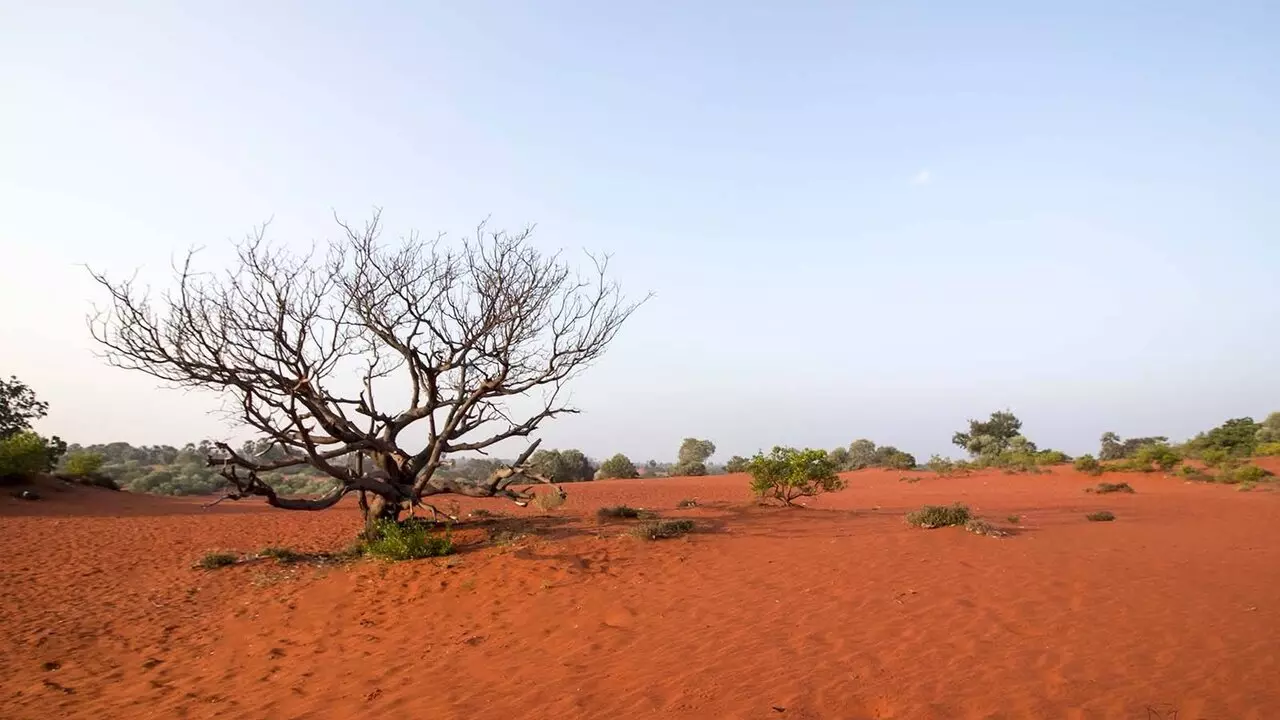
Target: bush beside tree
{"type": "Point", "coordinates": [786, 474]}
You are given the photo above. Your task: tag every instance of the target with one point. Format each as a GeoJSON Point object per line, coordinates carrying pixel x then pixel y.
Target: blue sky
{"type": "Point", "coordinates": [859, 220]}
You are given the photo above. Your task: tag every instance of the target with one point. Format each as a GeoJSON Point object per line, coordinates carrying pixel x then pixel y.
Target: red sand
{"type": "Point", "coordinates": [835, 611]}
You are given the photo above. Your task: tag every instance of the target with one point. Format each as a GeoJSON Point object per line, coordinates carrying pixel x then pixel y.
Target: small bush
{"type": "Point", "coordinates": [687, 503]}
{"type": "Point", "coordinates": [1193, 473]}
{"type": "Point", "coordinates": [1245, 473]}
{"type": "Point", "coordinates": [409, 540]}
{"type": "Point", "coordinates": [659, 529]}
{"type": "Point", "coordinates": [618, 512]}
{"type": "Point", "coordinates": [940, 465]}
{"type": "Point", "coordinates": [909, 479]}
{"type": "Point", "coordinates": [23, 454]}
{"type": "Point", "coordinates": [1088, 465]}
{"type": "Point", "coordinates": [1052, 457]}
{"type": "Point", "coordinates": [1158, 454]}
{"type": "Point", "coordinates": [1014, 519]}
{"type": "Point", "coordinates": [1106, 487]}
{"type": "Point", "coordinates": [1246, 486]}
{"type": "Point", "coordinates": [936, 516]}
{"type": "Point", "coordinates": [978, 526]}
{"type": "Point", "coordinates": [215, 560]}
{"type": "Point", "coordinates": [549, 501]}
{"type": "Point", "coordinates": [1215, 457]}
{"type": "Point", "coordinates": [787, 474]}
{"type": "Point", "coordinates": [82, 463]}
{"type": "Point", "coordinates": [1101, 516]}
{"type": "Point", "coordinates": [1268, 449]}
{"type": "Point", "coordinates": [282, 555]}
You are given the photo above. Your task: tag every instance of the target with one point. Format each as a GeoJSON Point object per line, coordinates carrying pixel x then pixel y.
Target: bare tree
{"type": "Point", "coordinates": [298, 343]}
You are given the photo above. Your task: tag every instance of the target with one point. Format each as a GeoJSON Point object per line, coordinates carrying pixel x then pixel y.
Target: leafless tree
{"type": "Point", "coordinates": [298, 343]}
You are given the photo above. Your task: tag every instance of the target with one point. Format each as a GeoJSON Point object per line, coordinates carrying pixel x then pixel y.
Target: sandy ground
{"type": "Point", "coordinates": [838, 610]}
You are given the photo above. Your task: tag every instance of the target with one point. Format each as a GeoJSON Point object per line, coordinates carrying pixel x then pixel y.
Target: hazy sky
{"type": "Point", "coordinates": [860, 219]}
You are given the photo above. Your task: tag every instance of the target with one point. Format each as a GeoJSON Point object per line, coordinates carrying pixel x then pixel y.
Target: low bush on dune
{"type": "Point", "coordinates": [282, 555]}
{"type": "Point", "coordinates": [787, 474]}
{"type": "Point", "coordinates": [1101, 516]}
{"type": "Point", "coordinates": [215, 560]}
{"type": "Point", "coordinates": [660, 529]}
{"type": "Point", "coordinates": [1088, 465]}
{"type": "Point", "coordinates": [620, 512]}
{"type": "Point", "coordinates": [1191, 472]}
{"type": "Point", "coordinates": [408, 540]}
{"type": "Point", "coordinates": [23, 454]}
{"type": "Point", "coordinates": [936, 516]}
{"type": "Point", "coordinates": [1159, 455]}
{"type": "Point", "coordinates": [1245, 473]}
{"type": "Point", "coordinates": [978, 526]}
{"type": "Point", "coordinates": [1267, 449]}
{"type": "Point", "coordinates": [1014, 519]}
{"type": "Point", "coordinates": [1106, 487]}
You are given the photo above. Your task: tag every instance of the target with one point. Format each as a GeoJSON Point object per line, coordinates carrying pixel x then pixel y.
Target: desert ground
{"type": "Point", "coordinates": [835, 610]}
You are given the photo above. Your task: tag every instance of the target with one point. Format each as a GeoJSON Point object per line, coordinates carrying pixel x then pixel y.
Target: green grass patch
{"type": "Point", "coordinates": [215, 560]}
{"type": "Point", "coordinates": [936, 516]}
{"type": "Point", "coordinates": [409, 540]}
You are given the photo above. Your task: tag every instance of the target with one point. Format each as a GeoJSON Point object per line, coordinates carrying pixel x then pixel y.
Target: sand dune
{"type": "Point", "coordinates": [838, 610]}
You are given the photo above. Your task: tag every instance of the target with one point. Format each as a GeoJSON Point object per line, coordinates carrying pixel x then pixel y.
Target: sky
{"type": "Point", "coordinates": [857, 219]}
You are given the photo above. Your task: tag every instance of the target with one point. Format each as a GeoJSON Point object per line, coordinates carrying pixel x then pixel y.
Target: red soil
{"type": "Point", "coordinates": [835, 611]}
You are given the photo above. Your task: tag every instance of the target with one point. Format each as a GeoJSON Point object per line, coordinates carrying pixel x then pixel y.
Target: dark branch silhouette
{"type": "Point", "coordinates": [298, 344]}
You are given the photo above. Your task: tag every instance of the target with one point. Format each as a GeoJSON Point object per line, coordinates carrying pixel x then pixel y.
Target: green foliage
{"type": "Point", "coordinates": [1051, 457]}
{"type": "Point", "coordinates": [408, 540]}
{"type": "Point", "coordinates": [1237, 437]}
{"type": "Point", "coordinates": [787, 474]}
{"type": "Point", "coordinates": [736, 464]}
{"type": "Point", "coordinates": [692, 457]}
{"type": "Point", "coordinates": [23, 453]}
{"type": "Point", "coordinates": [618, 512]}
{"type": "Point", "coordinates": [82, 463]}
{"type": "Point", "coordinates": [1269, 432]}
{"type": "Point", "coordinates": [891, 457]}
{"type": "Point", "coordinates": [215, 560]}
{"type": "Point", "coordinates": [941, 465]}
{"type": "Point", "coordinates": [936, 516]}
{"type": "Point", "coordinates": [1106, 487]}
{"type": "Point", "coordinates": [563, 466]}
{"type": "Point", "coordinates": [861, 454]}
{"type": "Point", "coordinates": [1267, 449]}
{"type": "Point", "coordinates": [19, 407]}
{"type": "Point", "coordinates": [1101, 516]}
{"type": "Point", "coordinates": [992, 437]}
{"type": "Point", "coordinates": [1193, 473]}
{"type": "Point", "coordinates": [1088, 465]}
{"type": "Point", "coordinates": [1159, 455]}
{"type": "Point", "coordinates": [618, 466]}
{"type": "Point", "coordinates": [282, 555]}
{"type": "Point", "coordinates": [1114, 448]}
{"type": "Point", "coordinates": [864, 453]}
{"type": "Point", "coordinates": [1213, 457]}
{"type": "Point", "coordinates": [659, 529]}
{"type": "Point", "coordinates": [1014, 519]}
{"type": "Point", "coordinates": [1245, 473]}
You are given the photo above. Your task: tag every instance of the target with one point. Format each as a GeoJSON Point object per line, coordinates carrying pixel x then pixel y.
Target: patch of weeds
{"type": "Point", "coordinates": [1245, 474]}
{"type": "Point", "coordinates": [909, 479]}
{"type": "Point", "coordinates": [505, 537]}
{"type": "Point", "coordinates": [687, 503]}
{"type": "Point", "coordinates": [548, 501]}
{"type": "Point", "coordinates": [1088, 465]}
{"type": "Point", "coordinates": [1014, 519]}
{"type": "Point", "coordinates": [409, 540]}
{"type": "Point", "coordinates": [936, 516]}
{"type": "Point", "coordinates": [1247, 486]}
{"type": "Point", "coordinates": [1191, 472]}
{"type": "Point", "coordinates": [621, 512]}
{"type": "Point", "coordinates": [282, 555]}
{"type": "Point", "coordinates": [481, 513]}
{"type": "Point", "coordinates": [1101, 516]}
{"type": "Point", "coordinates": [215, 560]}
{"type": "Point", "coordinates": [1106, 487]}
{"type": "Point", "coordinates": [658, 529]}
{"type": "Point", "coordinates": [978, 526]}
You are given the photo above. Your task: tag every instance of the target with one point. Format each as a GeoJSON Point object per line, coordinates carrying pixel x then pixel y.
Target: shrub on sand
{"type": "Point", "coordinates": [408, 540]}
{"type": "Point", "coordinates": [936, 516]}
{"type": "Point", "coordinates": [1101, 516]}
{"type": "Point", "coordinates": [659, 529]}
{"type": "Point", "coordinates": [1106, 487]}
{"type": "Point", "coordinates": [215, 560]}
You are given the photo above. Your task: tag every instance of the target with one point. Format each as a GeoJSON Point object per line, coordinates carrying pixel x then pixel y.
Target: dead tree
{"type": "Point", "coordinates": [476, 340]}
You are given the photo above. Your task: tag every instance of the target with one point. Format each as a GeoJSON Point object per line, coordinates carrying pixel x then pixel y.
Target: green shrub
{"type": "Point", "coordinates": [82, 463]}
{"type": "Point", "coordinates": [22, 454]}
{"type": "Point", "coordinates": [1052, 457]}
{"type": "Point", "coordinates": [936, 516]}
{"type": "Point", "coordinates": [618, 512]}
{"type": "Point", "coordinates": [215, 560]}
{"type": "Point", "coordinates": [1246, 486]}
{"type": "Point", "coordinates": [736, 464]}
{"type": "Point", "coordinates": [1158, 454]}
{"type": "Point", "coordinates": [941, 465]}
{"type": "Point", "coordinates": [1014, 519]}
{"type": "Point", "coordinates": [1101, 516]}
{"type": "Point", "coordinates": [1268, 449]}
{"type": "Point", "coordinates": [1245, 473]}
{"type": "Point", "coordinates": [659, 529]}
{"type": "Point", "coordinates": [1106, 487]}
{"type": "Point", "coordinates": [1215, 457]}
{"type": "Point", "coordinates": [619, 466]}
{"type": "Point", "coordinates": [787, 474]}
{"type": "Point", "coordinates": [1088, 464]}
{"type": "Point", "coordinates": [408, 540]}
